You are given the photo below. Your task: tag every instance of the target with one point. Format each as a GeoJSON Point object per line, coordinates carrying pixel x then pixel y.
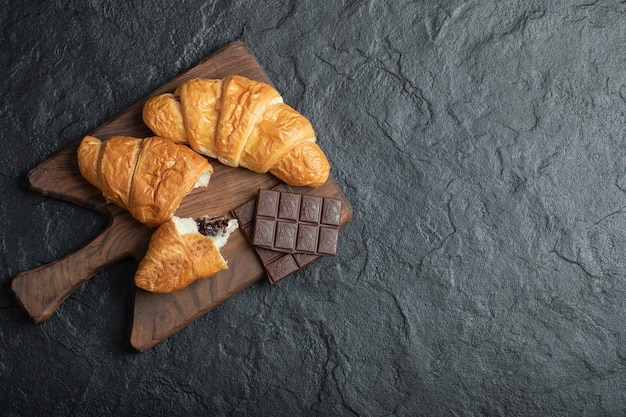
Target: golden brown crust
{"type": "Point", "coordinates": [148, 177]}
{"type": "Point", "coordinates": [165, 173]}
{"type": "Point", "coordinates": [163, 115]}
{"type": "Point", "coordinates": [304, 165]}
{"type": "Point", "coordinates": [200, 107]}
{"type": "Point", "coordinates": [253, 128]}
{"type": "Point", "coordinates": [119, 156]}
{"type": "Point", "coordinates": [281, 129]}
{"type": "Point", "coordinates": [88, 156]}
{"type": "Point", "coordinates": [243, 104]}
{"type": "Point", "coordinates": [173, 261]}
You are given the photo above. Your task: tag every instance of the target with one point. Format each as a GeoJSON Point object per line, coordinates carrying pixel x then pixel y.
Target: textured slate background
{"type": "Point", "coordinates": [481, 144]}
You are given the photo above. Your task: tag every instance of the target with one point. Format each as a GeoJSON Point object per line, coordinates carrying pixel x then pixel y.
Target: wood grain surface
{"type": "Point", "coordinates": [156, 316]}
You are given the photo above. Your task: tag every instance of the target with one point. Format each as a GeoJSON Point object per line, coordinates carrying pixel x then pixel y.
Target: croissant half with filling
{"type": "Point", "coordinates": [182, 251]}
{"type": "Point", "coordinates": [148, 177]}
{"type": "Point", "coordinates": [240, 122]}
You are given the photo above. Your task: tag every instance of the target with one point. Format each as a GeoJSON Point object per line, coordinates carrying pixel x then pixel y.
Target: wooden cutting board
{"type": "Point", "coordinates": [155, 316]}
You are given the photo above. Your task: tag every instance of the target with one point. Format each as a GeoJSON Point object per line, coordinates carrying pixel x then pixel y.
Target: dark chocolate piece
{"type": "Point", "coordinates": [290, 222]}
{"type": "Point", "coordinates": [327, 241]}
{"type": "Point", "coordinates": [281, 268]}
{"type": "Point", "coordinates": [277, 265]}
{"type": "Point", "coordinates": [331, 212]}
{"type": "Point", "coordinates": [311, 209]}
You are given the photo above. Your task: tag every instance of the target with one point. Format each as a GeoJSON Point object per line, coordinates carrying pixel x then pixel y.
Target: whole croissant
{"type": "Point", "coordinates": [240, 122]}
{"type": "Point", "coordinates": [148, 177]}
{"type": "Point", "coordinates": [182, 251]}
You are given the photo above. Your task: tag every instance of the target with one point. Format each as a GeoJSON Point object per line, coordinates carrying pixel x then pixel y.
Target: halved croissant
{"type": "Point", "coordinates": [182, 251]}
{"type": "Point", "coordinates": [240, 122]}
{"type": "Point", "coordinates": [148, 177]}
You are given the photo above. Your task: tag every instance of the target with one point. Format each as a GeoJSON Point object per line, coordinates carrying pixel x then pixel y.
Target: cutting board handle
{"type": "Point", "coordinates": [42, 290]}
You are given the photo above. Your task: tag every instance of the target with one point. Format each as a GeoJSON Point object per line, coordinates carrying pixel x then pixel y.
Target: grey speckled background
{"type": "Point", "coordinates": [481, 144]}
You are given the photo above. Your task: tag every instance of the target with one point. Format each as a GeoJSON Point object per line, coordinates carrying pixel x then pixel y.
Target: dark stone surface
{"type": "Point", "coordinates": [481, 145]}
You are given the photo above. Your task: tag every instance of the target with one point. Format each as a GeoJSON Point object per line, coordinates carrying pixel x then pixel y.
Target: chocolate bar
{"type": "Point", "coordinates": [290, 222]}
{"type": "Point", "coordinates": [277, 265]}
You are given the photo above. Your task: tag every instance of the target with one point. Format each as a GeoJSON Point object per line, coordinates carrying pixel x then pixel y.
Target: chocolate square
{"type": "Point", "coordinates": [311, 209]}
{"type": "Point", "coordinates": [267, 203]}
{"type": "Point", "coordinates": [289, 207]}
{"type": "Point", "coordinates": [281, 268]}
{"type": "Point", "coordinates": [331, 211]}
{"type": "Point", "coordinates": [268, 256]}
{"type": "Point", "coordinates": [307, 238]}
{"type": "Point", "coordinates": [286, 235]}
{"type": "Point", "coordinates": [328, 237]}
{"type": "Point", "coordinates": [245, 213]}
{"type": "Point", "coordinates": [264, 232]}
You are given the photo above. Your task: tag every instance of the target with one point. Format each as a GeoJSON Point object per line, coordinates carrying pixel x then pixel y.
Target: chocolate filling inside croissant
{"type": "Point", "coordinates": [211, 226]}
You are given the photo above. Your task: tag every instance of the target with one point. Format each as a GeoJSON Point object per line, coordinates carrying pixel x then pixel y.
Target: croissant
{"type": "Point", "coordinates": [182, 251]}
{"type": "Point", "coordinates": [148, 177]}
{"type": "Point", "coordinates": [240, 122]}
